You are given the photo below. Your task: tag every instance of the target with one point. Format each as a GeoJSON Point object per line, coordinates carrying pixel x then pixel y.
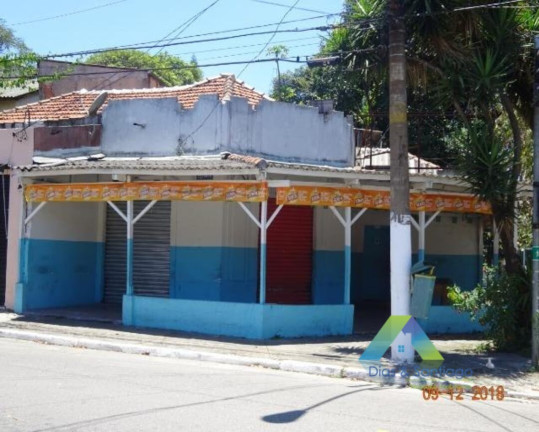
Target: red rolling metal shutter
{"type": "Point", "coordinates": [289, 255]}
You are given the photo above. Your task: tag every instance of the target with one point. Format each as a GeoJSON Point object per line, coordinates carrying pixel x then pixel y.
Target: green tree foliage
{"type": "Point", "coordinates": [8, 40]}
{"type": "Point", "coordinates": [16, 60]}
{"type": "Point", "coordinates": [171, 69]}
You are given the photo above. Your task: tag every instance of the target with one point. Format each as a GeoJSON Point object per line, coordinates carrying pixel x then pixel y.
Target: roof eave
{"type": "Point", "coordinates": [133, 171]}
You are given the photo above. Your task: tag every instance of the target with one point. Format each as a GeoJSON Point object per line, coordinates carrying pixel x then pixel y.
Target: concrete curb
{"type": "Point", "coordinates": [284, 365]}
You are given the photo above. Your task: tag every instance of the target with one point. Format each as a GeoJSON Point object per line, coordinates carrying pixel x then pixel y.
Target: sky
{"type": "Point", "coordinates": [62, 26]}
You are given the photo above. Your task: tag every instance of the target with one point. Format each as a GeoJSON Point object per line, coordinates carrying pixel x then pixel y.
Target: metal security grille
{"type": "Point", "coordinates": [151, 252]}
{"type": "Point", "coordinates": [289, 255]}
{"type": "Point", "coordinates": [4, 201]}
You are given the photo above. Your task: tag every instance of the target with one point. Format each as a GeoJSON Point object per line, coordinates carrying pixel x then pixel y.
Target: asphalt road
{"type": "Point", "coordinates": [50, 388]}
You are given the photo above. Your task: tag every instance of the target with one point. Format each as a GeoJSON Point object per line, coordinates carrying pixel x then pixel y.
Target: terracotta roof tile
{"type": "Point", "coordinates": [75, 105]}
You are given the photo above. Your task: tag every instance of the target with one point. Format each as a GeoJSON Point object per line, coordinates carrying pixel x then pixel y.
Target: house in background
{"type": "Point", "coordinates": [12, 97]}
{"type": "Point", "coordinates": [211, 208]}
{"type": "Point", "coordinates": [71, 77]}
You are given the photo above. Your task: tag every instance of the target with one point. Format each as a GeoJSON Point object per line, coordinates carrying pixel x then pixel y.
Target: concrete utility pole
{"type": "Point", "coordinates": [400, 226]}
{"type": "Point", "coordinates": [535, 220]}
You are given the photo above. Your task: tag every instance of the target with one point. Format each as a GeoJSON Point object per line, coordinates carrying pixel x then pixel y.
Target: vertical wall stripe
{"type": "Point", "coordinates": [347, 273]}
{"type": "Point", "coordinates": [263, 232]}
{"type": "Point", "coordinates": [130, 249]}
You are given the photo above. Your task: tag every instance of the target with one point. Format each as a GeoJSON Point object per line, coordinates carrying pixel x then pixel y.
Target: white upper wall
{"type": "Point", "coordinates": [69, 221]}
{"type": "Point", "coordinates": [449, 234]}
{"type": "Point", "coordinates": [274, 130]}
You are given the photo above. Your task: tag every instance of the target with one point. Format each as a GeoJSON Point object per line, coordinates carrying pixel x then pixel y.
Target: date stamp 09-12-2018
{"type": "Point", "coordinates": [479, 393]}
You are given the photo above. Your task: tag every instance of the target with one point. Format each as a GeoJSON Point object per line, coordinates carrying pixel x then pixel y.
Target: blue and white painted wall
{"type": "Point", "coordinates": [214, 252]}
{"type": "Point", "coordinates": [452, 246]}
{"type": "Point", "coordinates": [62, 257]}
{"type": "Point", "coordinates": [328, 258]}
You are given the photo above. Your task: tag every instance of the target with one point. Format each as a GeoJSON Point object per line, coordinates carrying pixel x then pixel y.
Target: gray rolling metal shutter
{"type": "Point", "coordinates": [151, 254]}
{"type": "Point", "coordinates": [151, 258]}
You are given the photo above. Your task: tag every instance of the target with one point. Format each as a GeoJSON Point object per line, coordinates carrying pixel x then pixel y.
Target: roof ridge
{"type": "Point", "coordinates": [39, 102]}
{"type": "Point", "coordinates": [228, 87]}
{"type": "Point", "coordinates": [75, 104]}
{"type": "Point", "coordinates": [162, 89]}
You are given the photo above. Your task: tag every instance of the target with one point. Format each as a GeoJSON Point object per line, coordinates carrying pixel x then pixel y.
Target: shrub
{"type": "Point", "coordinates": [497, 304]}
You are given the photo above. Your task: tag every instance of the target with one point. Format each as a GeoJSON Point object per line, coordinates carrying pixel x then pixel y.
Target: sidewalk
{"type": "Point", "coordinates": [332, 356]}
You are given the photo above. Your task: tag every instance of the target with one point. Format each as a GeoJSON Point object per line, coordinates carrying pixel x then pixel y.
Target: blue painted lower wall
{"type": "Point", "coordinates": [248, 320]}
{"type": "Point", "coordinates": [463, 270]}
{"type": "Point", "coordinates": [214, 273]}
{"type": "Point", "coordinates": [445, 319]}
{"type": "Point", "coordinates": [57, 273]}
{"type": "Point", "coordinates": [328, 277]}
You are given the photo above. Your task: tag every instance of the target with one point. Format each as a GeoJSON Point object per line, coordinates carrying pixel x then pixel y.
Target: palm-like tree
{"type": "Point", "coordinates": [477, 62]}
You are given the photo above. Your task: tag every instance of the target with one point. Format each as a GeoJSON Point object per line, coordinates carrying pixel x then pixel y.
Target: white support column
{"type": "Point", "coordinates": [117, 210]}
{"type": "Point", "coordinates": [263, 233]}
{"type": "Point", "coordinates": [251, 215]}
{"type": "Point", "coordinates": [274, 215]}
{"type": "Point", "coordinates": [144, 211]}
{"type": "Point", "coordinates": [421, 240]}
{"type": "Point", "coordinates": [347, 222]}
{"type": "Point", "coordinates": [19, 305]}
{"type": "Point", "coordinates": [19, 301]}
{"type": "Point", "coordinates": [129, 259]}
{"type": "Point", "coordinates": [421, 226]}
{"type": "Point", "coordinates": [263, 225]}
{"type": "Point", "coordinates": [347, 253]}
{"type": "Point", "coordinates": [34, 212]}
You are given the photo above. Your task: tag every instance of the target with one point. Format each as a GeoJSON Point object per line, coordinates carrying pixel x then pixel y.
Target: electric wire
{"type": "Point", "coordinates": [69, 13]}
{"type": "Point", "coordinates": [285, 5]}
{"type": "Point", "coordinates": [110, 49]}
{"type": "Point", "coordinates": [290, 9]}
{"type": "Point", "coordinates": [178, 31]}
{"type": "Point", "coordinates": [182, 27]}
{"type": "Point", "coordinates": [254, 59]}
{"type": "Point", "coordinates": [293, 59]}
{"type": "Point", "coordinates": [242, 46]}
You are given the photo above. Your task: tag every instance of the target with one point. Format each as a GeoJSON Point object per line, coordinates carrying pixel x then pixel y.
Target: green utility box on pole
{"type": "Point", "coordinates": [422, 288]}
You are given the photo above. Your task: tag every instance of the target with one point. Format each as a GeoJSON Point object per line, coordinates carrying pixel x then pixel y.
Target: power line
{"type": "Point", "coordinates": [272, 35]}
{"type": "Point", "coordinates": [253, 52]}
{"type": "Point", "coordinates": [497, 5]}
{"type": "Point", "coordinates": [186, 66]}
{"type": "Point", "coordinates": [291, 59]}
{"type": "Point", "coordinates": [101, 50]}
{"type": "Point", "coordinates": [242, 46]}
{"type": "Point", "coordinates": [178, 30]}
{"type": "Point", "coordinates": [69, 13]}
{"type": "Point", "coordinates": [253, 60]}
{"type": "Point", "coordinates": [140, 44]}
{"type": "Point", "coordinates": [285, 5]}
{"type": "Point", "coordinates": [184, 26]}
{"type": "Point", "coordinates": [487, 5]}
{"type": "Point", "coordinates": [258, 26]}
